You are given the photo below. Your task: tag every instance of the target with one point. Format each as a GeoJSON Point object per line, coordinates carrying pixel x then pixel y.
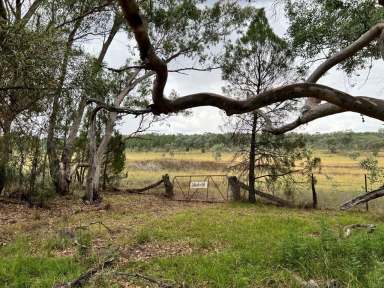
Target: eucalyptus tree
{"type": "Point", "coordinates": [259, 61]}
{"type": "Point", "coordinates": [56, 32]}
{"type": "Point", "coordinates": [149, 55]}
{"type": "Point", "coordinates": [87, 18]}
{"type": "Point", "coordinates": [180, 30]}
{"type": "Point", "coordinates": [28, 68]}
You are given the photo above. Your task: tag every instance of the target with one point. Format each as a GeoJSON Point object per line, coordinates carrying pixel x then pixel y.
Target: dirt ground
{"type": "Point", "coordinates": [117, 213]}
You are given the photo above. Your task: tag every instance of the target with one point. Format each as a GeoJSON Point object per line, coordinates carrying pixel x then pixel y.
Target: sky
{"type": "Point", "coordinates": [207, 119]}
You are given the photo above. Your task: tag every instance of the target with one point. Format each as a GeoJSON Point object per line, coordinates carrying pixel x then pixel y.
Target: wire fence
{"type": "Point", "coordinates": [331, 191]}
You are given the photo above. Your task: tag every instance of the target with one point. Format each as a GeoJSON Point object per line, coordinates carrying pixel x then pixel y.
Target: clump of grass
{"type": "Point", "coordinates": [144, 236]}
{"type": "Point", "coordinates": [59, 241]}
{"type": "Point", "coordinates": [354, 261]}
{"type": "Point", "coordinates": [19, 268]}
{"type": "Point", "coordinates": [84, 243]}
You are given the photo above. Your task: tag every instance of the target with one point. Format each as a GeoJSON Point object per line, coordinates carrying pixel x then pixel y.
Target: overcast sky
{"type": "Point", "coordinates": [205, 119]}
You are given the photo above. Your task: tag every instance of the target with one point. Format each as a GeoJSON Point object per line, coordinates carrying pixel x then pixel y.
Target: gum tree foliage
{"type": "Point", "coordinates": [374, 172]}
{"type": "Point", "coordinates": [320, 28]}
{"type": "Point", "coordinates": [42, 59]}
{"type": "Point", "coordinates": [28, 68]}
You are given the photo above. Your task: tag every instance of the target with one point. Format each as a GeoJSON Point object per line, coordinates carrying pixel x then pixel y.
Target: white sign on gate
{"type": "Point", "coordinates": [199, 185]}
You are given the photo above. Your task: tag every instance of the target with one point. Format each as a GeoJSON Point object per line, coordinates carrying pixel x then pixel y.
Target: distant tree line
{"type": "Point", "coordinates": [331, 142]}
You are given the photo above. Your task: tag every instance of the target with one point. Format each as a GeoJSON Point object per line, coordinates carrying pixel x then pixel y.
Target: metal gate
{"type": "Point", "coordinates": [201, 188]}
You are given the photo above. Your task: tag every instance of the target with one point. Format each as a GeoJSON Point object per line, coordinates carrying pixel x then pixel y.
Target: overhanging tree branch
{"type": "Point", "coordinates": [314, 110]}
{"type": "Point", "coordinates": [111, 108]}
{"type": "Point", "coordinates": [365, 105]}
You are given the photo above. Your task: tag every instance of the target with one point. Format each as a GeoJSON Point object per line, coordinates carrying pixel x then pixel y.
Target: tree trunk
{"type": "Point", "coordinates": [65, 165]}
{"type": "Point", "coordinates": [93, 177]}
{"type": "Point", "coordinates": [363, 198]}
{"type": "Point", "coordinates": [57, 169]}
{"type": "Point", "coordinates": [251, 172]}
{"type": "Point", "coordinates": [105, 172]}
{"type": "Point", "coordinates": [5, 153]}
{"type": "Point", "coordinates": [96, 153]}
{"type": "Point", "coordinates": [66, 156]}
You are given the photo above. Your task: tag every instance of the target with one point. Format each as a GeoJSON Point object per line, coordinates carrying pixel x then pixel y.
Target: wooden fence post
{"type": "Point", "coordinates": [366, 191]}
{"type": "Point", "coordinates": [168, 186]}
{"type": "Point", "coordinates": [234, 187]}
{"type": "Point", "coordinates": [314, 194]}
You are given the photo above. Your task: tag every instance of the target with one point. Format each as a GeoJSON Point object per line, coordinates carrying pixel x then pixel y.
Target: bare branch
{"type": "Point", "coordinates": [363, 41]}
{"type": "Point", "coordinates": [110, 108]}
{"type": "Point", "coordinates": [87, 13]}
{"type": "Point", "coordinates": [31, 11]}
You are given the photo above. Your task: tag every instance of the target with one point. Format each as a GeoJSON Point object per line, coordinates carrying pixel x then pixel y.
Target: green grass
{"type": "Point", "coordinates": [20, 268]}
{"type": "Point", "coordinates": [201, 245]}
{"type": "Point", "coordinates": [256, 246]}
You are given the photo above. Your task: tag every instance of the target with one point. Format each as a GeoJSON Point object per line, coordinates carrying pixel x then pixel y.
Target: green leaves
{"type": "Point", "coordinates": [325, 27]}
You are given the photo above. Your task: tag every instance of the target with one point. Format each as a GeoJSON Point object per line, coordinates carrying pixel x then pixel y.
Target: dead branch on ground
{"type": "Point", "coordinates": [269, 197]}
{"type": "Point", "coordinates": [152, 280]}
{"type": "Point", "coordinates": [85, 277]}
{"type": "Point", "coordinates": [363, 198]}
{"type": "Point", "coordinates": [347, 230]}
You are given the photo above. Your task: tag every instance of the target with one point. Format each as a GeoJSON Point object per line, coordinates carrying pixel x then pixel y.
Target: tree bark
{"type": "Point", "coordinates": [57, 169]}
{"type": "Point", "coordinates": [93, 177]}
{"type": "Point", "coordinates": [252, 152]}
{"type": "Point", "coordinates": [5, 153]}
{"type": "Point", "coordinates": [65, 165]}
{"type": "Point", "coordinates": [314, 194]}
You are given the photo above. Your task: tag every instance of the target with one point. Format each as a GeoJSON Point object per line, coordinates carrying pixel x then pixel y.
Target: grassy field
{"type": "Point", "coordinates": [160, 243]}
{"type": "Point", "coordinates": [186, 245]}
{"type": "Point", "coordinates": [339, 179]}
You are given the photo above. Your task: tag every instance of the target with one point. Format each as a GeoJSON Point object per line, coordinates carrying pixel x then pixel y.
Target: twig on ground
{"type": "Point", "coordinates": [139, 191]}
{"type": "Point", "coordinates": [158, 282]}
{"type": "Point", "coordinates": [83, 227]}
{"type": "Point", "coordinates": [84, 278]}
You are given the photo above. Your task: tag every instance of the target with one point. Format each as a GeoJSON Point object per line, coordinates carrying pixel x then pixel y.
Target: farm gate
{"type": "Point", "coordinates": [201, 188]}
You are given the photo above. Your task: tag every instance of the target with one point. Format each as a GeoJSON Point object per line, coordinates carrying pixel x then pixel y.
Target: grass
{"type": "Point", "coordinates": [21, 268]}
{"type": "Point", "coordinates": [248, 246]}
{"type": "Point", "coordinates": [201, 245]}
{"type": "Point", "coordinates": [219, 245]}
